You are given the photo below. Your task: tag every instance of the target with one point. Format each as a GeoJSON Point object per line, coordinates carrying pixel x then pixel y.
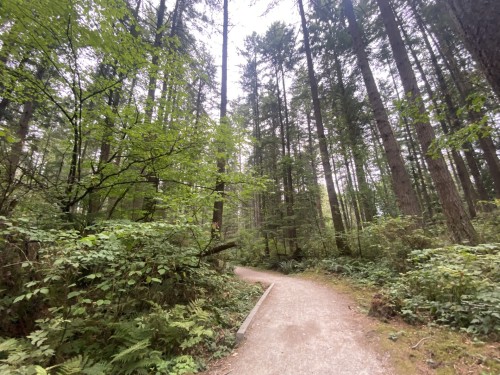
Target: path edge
{"type": "Point", "coordinates": [240, 335]}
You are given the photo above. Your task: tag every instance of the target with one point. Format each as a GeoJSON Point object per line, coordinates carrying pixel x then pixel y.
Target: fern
{"type": "Point", "coordinates": [9, 345]}
{"type": "Point", "coordinates": [100, 368]}
{"type": "Point", "coordinates": [71, 366]}
{"type": "Point", "coordinates": [133, 352]}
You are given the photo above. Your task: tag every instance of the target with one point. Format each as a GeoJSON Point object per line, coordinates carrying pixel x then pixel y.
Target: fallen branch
{"type": "Point", "coordinates": [219, 248]}
{"type": "Point", "coordinates": [421, 341]}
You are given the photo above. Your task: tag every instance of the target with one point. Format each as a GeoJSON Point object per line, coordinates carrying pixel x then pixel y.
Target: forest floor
{"type": "Point", "coordinates": [315, 324]}
{"type": "Point", "coordinates": [304, 327]}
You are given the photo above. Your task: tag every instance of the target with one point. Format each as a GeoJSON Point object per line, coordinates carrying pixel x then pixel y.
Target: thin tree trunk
{"type": "Point", "coordinates": [357, 145]}
{"type": "Point", "coordinates": [341, 242]}
{"type": "Point", "coordinates": [221, 160]}
{"type": "Point", "coordinates": [96, 199]}
{"type": "Point", "coordinates": [388, 196]}
{"type": "Point", "coordinates": [352, 189]}
{"type": "Point", "coordinates": [153, 75]}
{"type": "Point", "coordinates": [418, 167]}
{"type": "Point", "coordinates": [289, 198]}
{"type": "Point", "coordinates": [317, 193]}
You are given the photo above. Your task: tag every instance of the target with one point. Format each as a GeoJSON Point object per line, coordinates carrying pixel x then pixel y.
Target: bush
{"type": "Point", "coordinates": [487, 223]}
{"type": "Point", "coordinates": [363, 271]}
{"type": "Point", "coordinates": [127, 298]}
{"type": "Point", "coordinates": [392, 239]}
{"type": "Point", "coordinates": [290, 266]}
{"type": "Point", "coordinates": [456, 285]}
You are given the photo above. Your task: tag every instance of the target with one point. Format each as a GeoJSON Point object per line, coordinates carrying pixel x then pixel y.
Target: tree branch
{"type": "Point", "coordinates": [219, 248]}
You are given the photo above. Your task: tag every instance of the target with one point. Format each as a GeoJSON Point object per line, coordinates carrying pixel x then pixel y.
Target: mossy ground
{"type": "Point", "coordinates": [420, 349]}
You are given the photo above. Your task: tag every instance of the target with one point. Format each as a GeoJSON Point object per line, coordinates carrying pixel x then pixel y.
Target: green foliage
{"type": "Point", "coordinates": [125, 298]}
{"type": "Point", "coordinates": [392, 239]}
{"type": "Point", "coordinates": [410, 108]}
{"type": "Point", "coordinates": [363, 271]}
{"type": "Point", "coordinates": [290, 266]}
{"type": "Point", "coordinates": [487, 223]}
{"type": "Point", "coordinates": [456, 140]}
{"type": "Point", "coordinates": [456, 285]}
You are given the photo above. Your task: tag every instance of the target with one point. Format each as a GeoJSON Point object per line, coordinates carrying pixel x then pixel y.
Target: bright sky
{"type": "Point", "coordinates": [245, 17]}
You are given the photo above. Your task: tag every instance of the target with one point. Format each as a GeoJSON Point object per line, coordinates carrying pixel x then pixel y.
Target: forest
{"type": "Point", "coordinates": [364, 143]}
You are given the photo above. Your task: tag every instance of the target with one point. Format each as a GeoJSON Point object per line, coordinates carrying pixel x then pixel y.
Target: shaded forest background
{"type": "Point", "coordinates": [364, 141]}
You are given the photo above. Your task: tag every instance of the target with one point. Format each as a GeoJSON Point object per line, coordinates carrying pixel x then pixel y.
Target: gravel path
{"type": "Point", "coordinates": [304, 328]}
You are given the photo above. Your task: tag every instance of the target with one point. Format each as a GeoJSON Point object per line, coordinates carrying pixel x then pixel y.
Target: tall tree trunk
{"type": "Point", "coordinates": [221, 160]}
{"type": "Point", "coordinates": [259, 200]}
{"type": "Point", "coordinates": [457, 219]}
{"type": "Point", "coordinates": [463, 174]}
{"type": "Point", "coordinates": [465, 89]}
{"type": "Point", "coordinates": [342, 245]}
{"type": "Point", "coordinates": [387, 196]}
{"type": "Point", "coordinates": [95, 198]}
{"type": "Point", "coordinates": [153, 75]}
{"type": "Point", "coordinates": [289, 193]}
{"type": "Point", "coordinates": [493, 162]}
{"type": "Point", "coordinates": [351, 188]}
{"type": "Point", "coordinates": [417, 164]}
{"type": "Point", "coordinates": [477, 21]}
{"type": "Point", "coordinates": [148, 204]}
{"type": "Point", "coordinates": [6, 203]}
{"type": "Point", "coordinates": [356, 142]}
{"type": "Point", "coordinates": [452, 109]}
{"type": "Point", "coordinates": [401, 182]}
{"type": "Point", "coordinates": [317, 191]}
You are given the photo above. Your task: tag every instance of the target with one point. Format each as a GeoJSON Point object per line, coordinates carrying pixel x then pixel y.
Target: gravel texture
{"type": "Point", "coordinates": [304, 328]}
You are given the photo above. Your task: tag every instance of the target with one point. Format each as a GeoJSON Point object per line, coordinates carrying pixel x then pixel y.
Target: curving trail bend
{"type": "Point", "coordinates": [304, 328]}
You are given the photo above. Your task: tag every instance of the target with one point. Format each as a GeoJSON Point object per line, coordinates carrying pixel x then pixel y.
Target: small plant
{"type": "Point", "coordinates": [290, 266]}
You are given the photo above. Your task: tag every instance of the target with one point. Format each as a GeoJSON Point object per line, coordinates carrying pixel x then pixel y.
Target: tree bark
{"type": "Point", "coordinates": [477, 21]}
{"type": "Point", "coordinates": [400, 179]}
{"type": "Point", "coordinates": [317, 191]}
{"type": "Point", "coordinates": [457, 219]}
{"type": "Point", "coordinates": [342, 245]}
{"type": "Point", "coordinates": [465, 89]}
{"type": "Point", "coordinates": [221, 160]}
{"type": "Point", "coordinates": [357, 145]}
{"type": "Point", "coordinates": [462, 173]}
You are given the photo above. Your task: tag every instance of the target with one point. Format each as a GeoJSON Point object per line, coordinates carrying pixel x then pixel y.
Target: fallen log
{"type": "Point", "coordinates": [219, 248]}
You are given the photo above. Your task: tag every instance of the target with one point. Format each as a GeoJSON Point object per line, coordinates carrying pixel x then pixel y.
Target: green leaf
{"type": "Point", "coordinates": [40, 370]}
{"type": "Point", "coordinates": [74, 294]}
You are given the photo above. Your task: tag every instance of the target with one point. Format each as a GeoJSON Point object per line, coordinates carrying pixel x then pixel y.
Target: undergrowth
{"type": "Point", "coordinates": [123, 299]}
{"type": "Point", "coordinates": [421, 278]}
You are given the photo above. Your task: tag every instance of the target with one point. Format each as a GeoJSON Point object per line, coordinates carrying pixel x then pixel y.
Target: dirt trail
{"type": "Point", "coordinates": [304, 328]}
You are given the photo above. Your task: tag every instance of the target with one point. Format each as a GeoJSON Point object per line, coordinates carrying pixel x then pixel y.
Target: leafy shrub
{"type": "Point", "coordinates": [363, 271]}
{"type": "Point", "coordinates": [287, 266]}
{"type": "Point", "coordinates": [125, 298]}
{"type": "Point", "coordinates": [456, 285]}
{"type": "Point", "coordinates": [392, 239]}
{"type": "Point", "coordinates": [487, 223]}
